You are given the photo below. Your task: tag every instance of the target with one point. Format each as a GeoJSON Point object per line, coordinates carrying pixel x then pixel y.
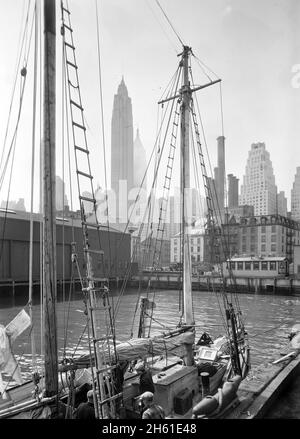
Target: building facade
{"type": "Point", "coordinates": [196, 246]}
{"type": "Point", "coordinates": [258, 188]}
{"type": "Point", "coordinates": [14, 260]}
{"type": "Point", "coordinates": [256, 236]}
{"type": "Point", "coordinates": [281, 204]}
{"type": "Point", "coordinates": [233, 191]}
{"type": "Point", "coordinates": [295, 197]}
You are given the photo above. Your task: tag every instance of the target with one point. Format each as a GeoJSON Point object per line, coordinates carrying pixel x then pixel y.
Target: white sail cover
{"type": "Point", "coordinates": [136, 348]}
{"type": "Point", "coordinates": [8, 363]}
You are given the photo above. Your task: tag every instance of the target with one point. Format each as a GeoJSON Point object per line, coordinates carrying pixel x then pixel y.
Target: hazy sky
{"type": "Point", "coordinates": [253, 45]}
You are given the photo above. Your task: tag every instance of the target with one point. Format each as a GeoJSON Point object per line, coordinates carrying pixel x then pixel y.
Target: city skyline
{"type": "Point", "coordinates": [254, 51]}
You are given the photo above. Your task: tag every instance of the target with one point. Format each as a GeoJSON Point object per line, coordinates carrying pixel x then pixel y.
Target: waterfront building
{"type": "Point", "coordinates": [122, 175]}
{"type": "Point", "coordinates": [258, 188]}
{"type": "Point", "coordinates": [196, 237]}
{"type": "Point", "coordinates": [295, 197]}
{"type": "Point", "coordinates": [257, 236]}
{"type": "Point", "coordinates": [268, 235]}
{"type": "Point", "coordinates": [14, 261]}
{"type": "Point", "coordinates": [152, 248]}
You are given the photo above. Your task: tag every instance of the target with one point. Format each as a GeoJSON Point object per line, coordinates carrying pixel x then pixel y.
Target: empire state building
{"type": "Point", "coordinates": [122, 147]}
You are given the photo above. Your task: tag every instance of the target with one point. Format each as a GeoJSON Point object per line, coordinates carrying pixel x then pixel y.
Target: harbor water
{"type": "Point", "coordinates": [268, 319]}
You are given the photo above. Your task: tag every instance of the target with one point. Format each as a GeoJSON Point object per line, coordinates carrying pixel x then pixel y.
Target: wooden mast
{"type": "Point", "coordinates": [185, 94]}
{"type": "Point", "coordinates": [49, 205]}
{"type": "Point", "coordinates": [185, 185]}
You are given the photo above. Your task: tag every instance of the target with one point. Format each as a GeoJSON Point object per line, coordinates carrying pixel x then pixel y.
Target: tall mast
{"type": "Point", "coordinates": [49, 205]}
{"type": "Point", "coordinates": [185, 185]}
{"type": "Point", "coordinates": [185, 94]}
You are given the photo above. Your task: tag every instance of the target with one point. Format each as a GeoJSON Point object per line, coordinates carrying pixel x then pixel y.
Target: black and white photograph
{"type": "Point", "coordinates": [149, 213]}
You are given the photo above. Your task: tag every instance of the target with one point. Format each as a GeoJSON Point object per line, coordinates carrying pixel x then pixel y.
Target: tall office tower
{"type": "Point", "coordinates": [61, 198]}
{"type": "Point", "coordinates": [173, 217]}
{"type": "Point", "coordinates": [122, 150]}
{"type": "Point", "coordinates": [258, 188]}
{"type": "Point", "coordinates": [220, 171]}
{"type": "Point", "coordinates": [281, 204]}
{"type": "Point", "coordinates": [233, 191]}
{"type": "Point", "coordinates": [295, 197]}
{"type": "Point", "coordinates": [140, 162]}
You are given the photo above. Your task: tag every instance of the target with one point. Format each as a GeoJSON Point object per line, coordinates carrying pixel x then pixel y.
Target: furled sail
{"type": "Point", "coordinates": [136, 348]}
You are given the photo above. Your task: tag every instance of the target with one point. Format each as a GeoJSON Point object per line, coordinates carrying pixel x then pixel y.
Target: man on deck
{"type": "Point", "coordinates": [152, 410]}
{"type": "Point", "coordinates": [146, 382]}
{"type": "Point", "coordinates": [86, 410]}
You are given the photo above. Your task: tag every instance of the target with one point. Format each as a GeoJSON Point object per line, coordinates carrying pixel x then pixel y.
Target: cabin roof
{"type": "Point", "coordinates": [256, 259]}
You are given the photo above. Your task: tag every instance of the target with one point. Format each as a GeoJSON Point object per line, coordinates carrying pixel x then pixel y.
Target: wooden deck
{"type": "Point", "coordinates": [260, 391]}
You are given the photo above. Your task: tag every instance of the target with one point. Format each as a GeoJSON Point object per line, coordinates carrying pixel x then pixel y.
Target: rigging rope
{"type": "Point", "coordinates": [168, 20]}
{"type": "Point", "coordinates": [103, 139]}
{"type": "Point", "coordinates": [33, 349]}
{"type": "Point", "coordinates": [148, 202]}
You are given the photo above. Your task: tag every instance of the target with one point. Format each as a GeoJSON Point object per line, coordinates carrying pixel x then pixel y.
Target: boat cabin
{"type": "Point", "coordinates": [251, 266]}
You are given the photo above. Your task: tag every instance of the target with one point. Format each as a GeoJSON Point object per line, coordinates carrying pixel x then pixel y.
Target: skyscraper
{"type": "Point", "coordinates": [220, 174]}
{"type": "Point", "coordinates": [61, 197]}
{"type": "Point", "coordinates": [295, 197]}
{"type": "Point", "coordinates": [122, 147]}
{"type": "Point", "coordinates": [281, 204]}
{"type": "Point", "coordinates": [258, 188]}
{"type": "Point", "coordinates": [233, 191]}
{"type": "Point", "coordinates": [140, 162]}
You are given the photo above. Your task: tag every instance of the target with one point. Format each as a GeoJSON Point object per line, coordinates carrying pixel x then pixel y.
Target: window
{"type": "Point", "coordinates": [273, 229]}
{"type": "Point", "coordinates": [247, 265]}
{"type": "Point", "coordinates": [263, 247]}
{"type": "Point", "coordinates": [273, 247]}
{"type": "Point", "coordinates": [272, 265]}
{"type": "Point", "coordinates": [256, 265]}
{"type": "Point", "coordinates": [264, 265]}
{"type": "Point", "coordinates": [240, 265]}
{"type": "Point", "coordinates": [232, 265]}
{"type": "Point", "coordinates": [263, 229]}
{"type": "Point", "coordinates": [263, 238]}
{"type": "Point", "coordinates": [273, 238]}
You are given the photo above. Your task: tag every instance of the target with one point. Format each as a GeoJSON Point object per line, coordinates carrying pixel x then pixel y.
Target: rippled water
{"type": "Point", "coordinates": [268, 321]}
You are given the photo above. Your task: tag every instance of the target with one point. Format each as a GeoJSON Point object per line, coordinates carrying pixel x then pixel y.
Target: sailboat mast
{"type": "Point", "coordinates": [49, 205]}
{"type": "Point", "coordinates": [185, 185]}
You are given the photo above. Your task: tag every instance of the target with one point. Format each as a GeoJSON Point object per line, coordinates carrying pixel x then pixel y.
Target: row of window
{"type": "Point", "coordinates": [254, 265]}
{"type": "Point", "coordinates": [193, 249]}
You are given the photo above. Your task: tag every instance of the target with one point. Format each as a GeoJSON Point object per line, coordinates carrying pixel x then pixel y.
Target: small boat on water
{"type": "Point", "coordinates": [199, 379]}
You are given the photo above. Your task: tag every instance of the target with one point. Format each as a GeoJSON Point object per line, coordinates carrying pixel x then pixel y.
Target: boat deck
{"type": "Point", "coordinates": [260, 390]}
